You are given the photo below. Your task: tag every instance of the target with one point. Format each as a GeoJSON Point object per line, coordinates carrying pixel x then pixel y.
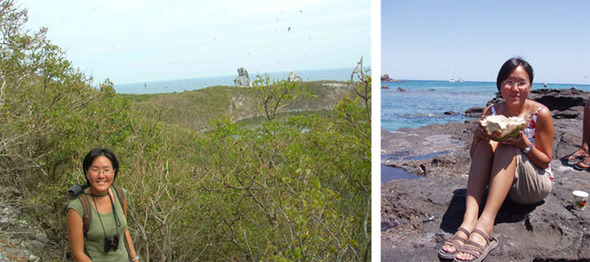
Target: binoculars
{"type": "Point", "coordinates": [111, 243]}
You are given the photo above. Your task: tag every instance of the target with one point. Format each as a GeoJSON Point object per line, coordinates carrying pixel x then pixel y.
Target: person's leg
{"type": "Point", "coordinates": [502, 176]}
{"type": "Point", "coordinates": [479, 177]}
{"type": "Point", "coordinates": [583, 151]}
{"type": "Point", "coordinates": [586, 127]}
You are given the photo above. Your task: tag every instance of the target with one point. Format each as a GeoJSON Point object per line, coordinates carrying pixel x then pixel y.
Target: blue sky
{"type": "Point", "coordinates": [150, 40]}
{"type": "Point", "coordinates": [436, 40]}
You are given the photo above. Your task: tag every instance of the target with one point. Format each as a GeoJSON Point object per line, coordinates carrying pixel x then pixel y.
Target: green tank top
{"type": "Point", "coordinates": [95, 236]}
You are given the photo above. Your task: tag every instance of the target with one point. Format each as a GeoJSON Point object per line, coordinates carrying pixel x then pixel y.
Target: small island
{"type": "Point", "coordinates": [386, 78]}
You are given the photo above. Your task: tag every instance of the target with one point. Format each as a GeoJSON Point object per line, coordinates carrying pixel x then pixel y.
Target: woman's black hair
{"type": "Point", "coordinates": [96, 152]}
{"type": "Point", "coordinates": [509, 66]}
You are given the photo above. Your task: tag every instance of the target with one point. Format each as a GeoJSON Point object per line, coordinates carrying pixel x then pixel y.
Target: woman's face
{"type": "Point", "coordinates": [100, 174]}
{"type": "Point", "coordinates": [515, 88]}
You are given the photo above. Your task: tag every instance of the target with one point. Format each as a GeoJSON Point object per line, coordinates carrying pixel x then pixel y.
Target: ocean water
{"type": "Point", "coordinates": [181, 85]}
{"type": "Point", "coordinates": [424, 102]}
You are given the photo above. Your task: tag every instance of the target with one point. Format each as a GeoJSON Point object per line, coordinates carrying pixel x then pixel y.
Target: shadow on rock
{"type": "Point", "coordinates": [510, 212]}
{"type": "Point", "coordinates": [453, 217]}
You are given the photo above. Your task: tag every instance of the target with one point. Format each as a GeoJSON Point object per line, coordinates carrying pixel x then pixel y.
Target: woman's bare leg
{"type": "Point", "coordinates": [479, 177]}
{"type": "Point", "coordinates": [502, 177]}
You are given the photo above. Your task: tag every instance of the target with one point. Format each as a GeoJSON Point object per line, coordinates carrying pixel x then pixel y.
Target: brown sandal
{"type": "Point", "coordinates": [455, 241]}
{"type": "Point", "coordinates": [574, 158]}
{"type": "Point", "coordinates": [478, 251]}
{"type": "Point", "coordinates": [583, 165]}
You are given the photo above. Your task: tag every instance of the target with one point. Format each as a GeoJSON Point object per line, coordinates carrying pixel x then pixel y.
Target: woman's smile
{"type": "Point", "coordinates": [100, 174]}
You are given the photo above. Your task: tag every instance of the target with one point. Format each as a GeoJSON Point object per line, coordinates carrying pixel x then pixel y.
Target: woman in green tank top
{"type": "Point", "coordinates": [105, 235]}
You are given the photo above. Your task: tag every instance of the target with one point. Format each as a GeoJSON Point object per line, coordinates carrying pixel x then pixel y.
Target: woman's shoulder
{"type": "Point", "coordinates": [539, 109]}
{"type": "Point", "coordinates": [76, 205]}
{"type": "Point", "coordinates": [493, 108]}
{"type": "Point", "coordinates": [542, 114]}
{"type": "Point", "coordinates": [116, 189]}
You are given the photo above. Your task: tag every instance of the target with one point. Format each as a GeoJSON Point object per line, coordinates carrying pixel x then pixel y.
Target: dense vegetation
{"type": "Point", "coordinates": [294, 188]}
{"type": "Point", "coordinates": [194, 109]}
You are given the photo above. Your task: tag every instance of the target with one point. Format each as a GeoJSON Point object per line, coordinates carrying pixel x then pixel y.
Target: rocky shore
{"type": "Point", "coordinates": [418, 215]}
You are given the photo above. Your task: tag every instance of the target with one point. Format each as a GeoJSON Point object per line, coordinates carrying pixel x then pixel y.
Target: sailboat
{"type": "Point", "coordinates": [451, 76]}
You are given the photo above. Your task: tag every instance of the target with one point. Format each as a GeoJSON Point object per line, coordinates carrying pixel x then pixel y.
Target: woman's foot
{"type": "Point", "coordinates": [575, 157]}
{"type": "Point", "coordinates": [584, 164]}
{"type": "Point", "coordinates": [450, 247]}
{"type": "Point", "coordinates": [476, 238]}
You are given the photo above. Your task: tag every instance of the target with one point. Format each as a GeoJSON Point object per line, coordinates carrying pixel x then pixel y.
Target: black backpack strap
{"type": "Point", "coordinates": [123, 202]}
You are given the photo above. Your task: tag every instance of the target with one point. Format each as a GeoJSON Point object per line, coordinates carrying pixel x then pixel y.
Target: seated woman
{"type": "Point", "coordinates": [104, 238]}
{"type": "Point", "coordinates": [517, 168]}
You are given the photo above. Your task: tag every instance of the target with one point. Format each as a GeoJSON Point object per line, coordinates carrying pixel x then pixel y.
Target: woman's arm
{"type": "Point", "coordinates": [132, 252]}
{"type": "Point", "coordinates": [75, 231]}
{"type": "Point", "coordinates": [542, 152]}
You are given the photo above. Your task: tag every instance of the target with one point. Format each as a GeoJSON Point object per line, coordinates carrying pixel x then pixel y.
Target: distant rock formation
{"type": "Point", "coordinates": [243, 80]}
{"type": "Point", "coordinates": [386, 78]}
{"type": "Point", "coordinates": [474, 112]}
{"type": "Point", "coordinates": [563, 103]}
{"type": "Point", "coordinates": [293, 77]}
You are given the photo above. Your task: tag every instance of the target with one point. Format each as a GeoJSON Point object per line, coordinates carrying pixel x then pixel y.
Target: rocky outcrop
{"type": "Point", "coordinates": [563, 103]}
{"type": "Point", "coordinates": [19, 241]}
{"type": "Point", "coordinates": [293, 77]}
{"type": "Point", "coordinates": [243, 80]}
{"type": "Point", "coordinates": [386, 78]}
{"type": "Point", "coordinates": [418, 215]}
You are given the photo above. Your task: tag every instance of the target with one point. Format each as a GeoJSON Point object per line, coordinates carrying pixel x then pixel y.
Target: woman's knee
{"type": "Point", "coordinates": [503, 148]}
{"type": "Point", "coordinates": [485, 148]}
{"type": "Point", "coordinates": [504, 153]}
{"type": "Point", "coordinates": [504, 159]}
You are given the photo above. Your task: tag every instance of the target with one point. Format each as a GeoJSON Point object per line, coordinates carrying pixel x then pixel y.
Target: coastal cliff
{"type": "Point", "coordinates": [418, 215]}
{"type": "Point", "coordinates": [194, 109]}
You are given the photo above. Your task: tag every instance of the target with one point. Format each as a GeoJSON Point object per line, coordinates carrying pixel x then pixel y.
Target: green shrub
{"type": "Point", "coordinates": [291, 188]}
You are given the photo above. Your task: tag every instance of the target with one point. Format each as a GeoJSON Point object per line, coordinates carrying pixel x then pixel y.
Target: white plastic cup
{"type": "Point", "coordinates": [580, 199]}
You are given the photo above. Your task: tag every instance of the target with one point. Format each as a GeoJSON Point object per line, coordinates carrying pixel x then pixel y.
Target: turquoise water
{"type": "Point", "coordinates": [424, 102]}
{"type": "Point", "coordinates": [181, 85]}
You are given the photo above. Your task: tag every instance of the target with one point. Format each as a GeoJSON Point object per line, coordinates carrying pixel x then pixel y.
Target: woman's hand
{"type": "Point", "coordinates": [481, 134]}
{"type": "Point", "coordinates": [520, 141]}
